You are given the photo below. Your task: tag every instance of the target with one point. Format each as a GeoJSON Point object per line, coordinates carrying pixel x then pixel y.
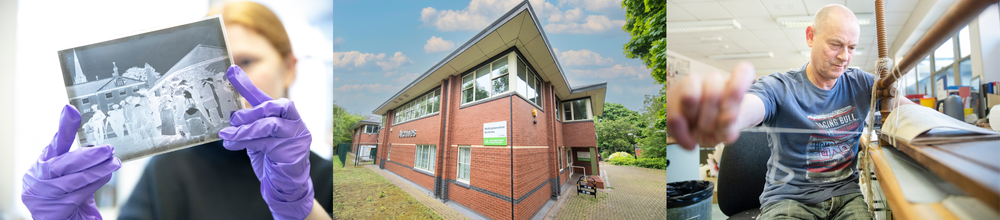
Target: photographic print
{"type": "Point", "coordinates": [152, 92]}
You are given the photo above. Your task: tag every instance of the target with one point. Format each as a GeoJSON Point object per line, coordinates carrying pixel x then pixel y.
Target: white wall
{"type": "Point", "coordinates": [984, 32]}
{"type": "Point", "coordinates": [8, 176]}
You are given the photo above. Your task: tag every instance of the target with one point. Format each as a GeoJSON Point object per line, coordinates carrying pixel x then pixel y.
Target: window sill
{"type": "Point", "coordinates": [418, 118]}
{"type": "Point", "coordinates": [423, 171]}
{"type": "Point", "coordinates": [576, 121]}
{"type": "Point", "coordinates": [462, 184]}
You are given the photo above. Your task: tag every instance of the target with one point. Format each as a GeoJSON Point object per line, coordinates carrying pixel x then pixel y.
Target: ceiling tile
{"type": "Point", "coordinates": [528, 30]}
{"type": "Point", "coordinates": [675, 13]}
{"type": "Point", "coordinates": [813, 6]}
{"type": "Point", "coordinates": [681, 38]}
{"type": "Point", "coordinates": [779, 44]}
{"type": "Point", "coordinates": [779, 8]}
{"type": "Point", "coordinates": [745, 8]}
{"type": "Point", "coordinates": [898, 6]}
{"type": "Point", "coordinates": [770, 35]}
{"type": "Point", "coordinates": [861, 6]}
{"type": "Point", "coordinates": [753, 46]}
{"type": "Point", "coordinates": [758, 23]}
{"type": "Point", "coordinates": [705, 10]}
{"type": "Point", "coordinates": [795, 34]}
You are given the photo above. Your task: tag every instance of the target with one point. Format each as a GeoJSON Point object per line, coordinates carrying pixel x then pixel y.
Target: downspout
{"type": "Point", "coordinates": [440, 182]}
{"type": "Point", "coordinates": [511, 143]}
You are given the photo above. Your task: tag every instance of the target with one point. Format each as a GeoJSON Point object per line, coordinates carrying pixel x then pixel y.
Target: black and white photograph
{"type": "Point", "coordinates": [152, 92]}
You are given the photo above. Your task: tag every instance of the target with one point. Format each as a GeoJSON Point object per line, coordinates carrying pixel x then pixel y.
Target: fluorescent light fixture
{"type": "Point", "coordinates": [711, 39]}
{"type": "Point", "coordinates": [742, 56]}
{"type": "Point", "coordinates": [803, 21]}
{"type": "Point", "coordinates": [701, 26]}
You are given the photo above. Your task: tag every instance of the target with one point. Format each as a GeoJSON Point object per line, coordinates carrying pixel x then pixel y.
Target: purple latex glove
{"type": "Point", "coordinates": [61, 184]}
{"type": "Point", "coordinates": [277, 142]}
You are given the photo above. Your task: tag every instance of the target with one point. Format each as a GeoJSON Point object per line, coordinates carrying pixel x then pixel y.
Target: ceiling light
{"type": "Point", "coordinates": [710, 39]}
{"type": "Point", "coordinates": [742, 56]}
{"type": "Point", "coordinates": [803, 21]}
{"type": "Point", "coordinates": [700, 26]}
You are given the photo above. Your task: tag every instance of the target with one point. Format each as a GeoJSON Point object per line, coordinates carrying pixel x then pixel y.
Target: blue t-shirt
{"type": "Point", "coordinates": [811, 168]}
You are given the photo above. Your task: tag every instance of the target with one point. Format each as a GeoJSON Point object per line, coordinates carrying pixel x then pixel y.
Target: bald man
{"type": "Point", "coordinates": [809, 176]}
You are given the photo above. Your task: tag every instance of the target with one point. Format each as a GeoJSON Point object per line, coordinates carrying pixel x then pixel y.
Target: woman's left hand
{"type": "Point", "coordinates": [277, 142]}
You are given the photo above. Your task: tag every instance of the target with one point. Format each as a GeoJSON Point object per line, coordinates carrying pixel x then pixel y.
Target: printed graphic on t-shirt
{"type": "Point", "coordinates": [830, 155]}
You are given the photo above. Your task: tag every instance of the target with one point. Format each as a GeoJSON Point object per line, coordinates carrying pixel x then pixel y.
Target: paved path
{"type": "Point", "coordinates": [440, 208]}
{"type": "Point", "coordinates": [633, 193]}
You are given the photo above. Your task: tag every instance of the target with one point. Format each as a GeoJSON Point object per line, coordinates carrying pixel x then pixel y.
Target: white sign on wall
{"type": "Point", "coordinates": [495, 133]}
{"type": "Point", "coordinates": [583, 155]}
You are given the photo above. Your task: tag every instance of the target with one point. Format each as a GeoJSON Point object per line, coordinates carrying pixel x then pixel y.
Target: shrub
{"type": "Point", "coordinates": [653, 163]}
{"type": "Point", "coordinates": [622, 160]}
{"type": "Point", "coordinates": [619, 154]}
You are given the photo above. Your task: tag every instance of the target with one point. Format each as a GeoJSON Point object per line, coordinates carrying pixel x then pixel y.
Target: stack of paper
{"type": "Point", "coordinates": [917, 124]}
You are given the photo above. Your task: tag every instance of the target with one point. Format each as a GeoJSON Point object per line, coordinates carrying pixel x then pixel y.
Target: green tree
{"type": "Point", "coordinates": [616, 135]}
{"type": "Point", "coordinates": [646, 21]}
{"type": "Point", "coordinates": [615, 111]}
{"type": "Point", "coordinates": [342, 122]}
{"type": "Point", "coordinates": [653, 141]}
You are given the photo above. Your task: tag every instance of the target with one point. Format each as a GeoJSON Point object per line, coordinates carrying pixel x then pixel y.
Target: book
{"type": "Point", "coordinates": [916, 124]}
{"type": "Point", "coordinates": [152, 92]}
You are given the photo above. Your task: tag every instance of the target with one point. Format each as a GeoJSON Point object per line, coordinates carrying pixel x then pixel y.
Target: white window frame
{"type": "Point", "coordinates": [424, 156]}
{"type": "Point", "coordinates": [530, 76]}
{"type": "Point", "coordinates": [511, 85]}
{"type": "Point", "coordinates": [560, 160]}
{"type": "Point", "coordinates": [587, 106]}
{"type": "Point", "coordinates": [468, 164]}
{"type": "Point", "coordinates": [569, 156]}
{"type": "Point", "coordinates": [374, 129]}
{"type": "Point", "coordinates": [418, 107]}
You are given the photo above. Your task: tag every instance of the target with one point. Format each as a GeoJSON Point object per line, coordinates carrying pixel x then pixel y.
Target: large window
{"type": "Point", "coordinates": [496, 78]}
{"type": "Point", "coordinates": [464, 163]}
{"type": "Point", "coordinates": [425, 157]}
{"type": "Point", "coordinates": [528, 83]}
{"type": "Point", "coordinates": [489, 80]}
{"type": "Point", "coordinates": [426, 104]}
{"type": "Point", "coordinates": [577, 109]}
{"type": "Point", "coordinates": [558, 110]}
{"type": "Point", "coordinates": [569, 156]}
{"type": "Point", "coordinates": [371, 129]}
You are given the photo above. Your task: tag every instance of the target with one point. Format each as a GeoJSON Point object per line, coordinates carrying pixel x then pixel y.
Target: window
{"type": "Point", "coordinates": [477, 84]}
{"type": "Point", "coordinates": [371, 129]}
{"type": "Point", "coordinates": [560, 159]}
{"type": "Point", "coordinates": [569, 157]}
{"type": "Point", "coordinates": [428, 103]}
{"type": "Point", "coordinates": [558, 112]}
{"type": "Point", "coordinates": [121, 92]}
{"type": "Point", "coordinates": [576, 109]}
{"type": "Point", "coordinates": [964, 43]}
{"type": "Point", "coordinates": [108, 95]}
{"type": "Point", "coordinates": [528, 83]}
{"type": "Point", "coordinates": [944, 55]}
{"type": "Point", "coordinates": [425, 157]}
{"type": "Point", "coordinates": [86, 100]}
{"type": "Point", "coordinates": [464, 161]}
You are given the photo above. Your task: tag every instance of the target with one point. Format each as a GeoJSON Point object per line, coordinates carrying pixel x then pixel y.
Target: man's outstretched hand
{"type": "Point", "coordinates": [703, 108]}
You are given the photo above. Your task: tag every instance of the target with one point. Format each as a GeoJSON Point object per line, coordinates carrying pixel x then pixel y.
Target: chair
{"type": "Point", "coordinates": [742, 170]}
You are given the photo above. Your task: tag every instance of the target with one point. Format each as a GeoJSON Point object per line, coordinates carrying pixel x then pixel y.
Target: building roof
{"type": "Point", "coordinates": [368, 120]}
{"type": "Point", "coordinates": [518, 28]}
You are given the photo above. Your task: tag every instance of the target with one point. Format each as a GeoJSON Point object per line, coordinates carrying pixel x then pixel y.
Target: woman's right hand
{"type": "Point", "coordinates": [61, 184]}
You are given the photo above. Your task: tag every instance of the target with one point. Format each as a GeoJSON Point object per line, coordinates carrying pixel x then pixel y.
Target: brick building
{"type": "Point", "coordinates": [495, 126]}
{"type": "Point", "coordinates": [365, 136]}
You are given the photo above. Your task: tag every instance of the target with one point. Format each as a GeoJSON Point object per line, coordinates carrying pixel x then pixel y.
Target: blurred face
{"type": "Point", "coordinates": [261, 61]}
{"type": "Point", "coordinates": [833, 47]}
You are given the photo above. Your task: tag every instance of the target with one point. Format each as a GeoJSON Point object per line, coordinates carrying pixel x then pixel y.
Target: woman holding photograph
{"type": "Point", "coordinates": [262, 169]}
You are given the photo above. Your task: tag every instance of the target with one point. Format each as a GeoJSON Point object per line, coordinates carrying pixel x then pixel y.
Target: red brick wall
{"type": "Point", "coordinates": [579, 134]}
{"type": "Point", "coordinates": [404, 149]}
{"type": "Point", "coordinates": [361, 138]}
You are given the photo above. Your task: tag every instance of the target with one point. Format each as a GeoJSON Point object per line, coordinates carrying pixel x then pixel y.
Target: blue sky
{"type": "Point", "coordinates": [381, 46]}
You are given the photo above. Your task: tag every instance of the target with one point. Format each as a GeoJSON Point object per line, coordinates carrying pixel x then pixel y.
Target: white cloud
{"type": "Point", "coordinates": [338, 41]}
{"type": "Point", "coordinates": [397, 59]}
{"type": "Point", "coordinates": [593, 24]}
{"type": "Point", "coordinates": [342, 59]}
{"type": "Point", "coordinates": [477, 15]}
{"type": "Point", "coordinates": [616, 71]}
{"type": "Point", "coordinates": [594, 5]}
{"type": "Point", "coordinates": [406, 78]}
{"type": "Point", "coordinates": [583, 57]}
{"type": "Point", "coordinates": [571, 15]}
{"type": "Point", "coordinates": [437, 44]}
{"type": "Point", "coordinates": [359, 59]}
{"type": "Point", "coordinates": [364, 88]}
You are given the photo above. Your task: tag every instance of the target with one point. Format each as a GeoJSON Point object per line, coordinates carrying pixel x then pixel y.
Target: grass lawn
{"type": "Point", "coordinates": [360, 193]}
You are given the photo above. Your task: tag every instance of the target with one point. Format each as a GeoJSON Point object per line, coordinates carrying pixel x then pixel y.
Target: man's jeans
{"type": "Point", "coordinates": [850, 206]}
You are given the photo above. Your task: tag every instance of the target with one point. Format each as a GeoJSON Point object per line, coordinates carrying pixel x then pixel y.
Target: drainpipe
{"type": "Point", "coordinates": [511, 143]}
{"type": "Point", "coordinates": [440, 182]}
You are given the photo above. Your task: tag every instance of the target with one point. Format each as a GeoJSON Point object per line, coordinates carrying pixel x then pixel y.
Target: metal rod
{"type": "Point", "coordinates": [952, 21]}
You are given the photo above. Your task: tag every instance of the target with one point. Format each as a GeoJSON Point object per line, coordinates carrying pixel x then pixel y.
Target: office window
{"type": "Point", "coordinates": [528, 83]}
{"type": "Point", "coordinates": [944, 55]}
{"type": "Point", "coordinates": [121, 92]}
{"type": "Point", "coordinates": [558, 112]}
{"type": "Point", "coordinates": [577, 109]}
{"type": "Point", "coordinates": [560, 159]}
{"type": "Point", "coordinates": [464, 163]}
{"type": "Point", "coordinates": [569, 157]}
{"type": "Point", "coordinates": [425, 157]}
{"type": "Point", "coordinates": [488, 80]}
{"type": "Point", "coordinates": [371, 129]}
{"type": "Point", "coordinates": [964, 43]}
{"type": "Point", "coordinates": [425, 104]}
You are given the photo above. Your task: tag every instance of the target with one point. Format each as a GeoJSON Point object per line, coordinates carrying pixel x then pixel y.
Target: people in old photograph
{"type": "Point", "coordinates": [145, 109]}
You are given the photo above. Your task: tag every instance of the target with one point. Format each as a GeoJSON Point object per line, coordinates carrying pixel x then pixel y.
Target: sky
{"type": "Point", "coordinates": [381, 46]}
